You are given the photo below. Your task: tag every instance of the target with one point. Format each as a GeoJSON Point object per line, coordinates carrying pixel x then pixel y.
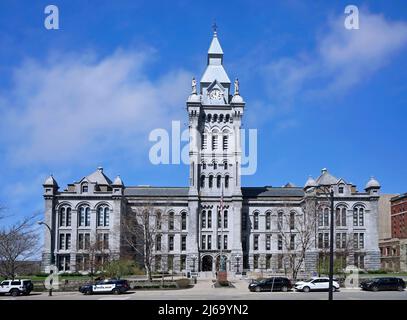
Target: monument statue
{"type": "Point", "coordinates": [237, 86]}
{"type": "Point", "coordinates": [193, 86]}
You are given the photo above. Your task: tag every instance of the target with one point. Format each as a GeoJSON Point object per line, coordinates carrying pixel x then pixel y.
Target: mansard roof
{"type": "Point", "coordinates": [326, 178]}
{"type": "Point", "coordinates": [272, 192]}
{"type": "Point", "coordinates": [156, 191]}
{"type": "Point", "coordinates": [98, 177]}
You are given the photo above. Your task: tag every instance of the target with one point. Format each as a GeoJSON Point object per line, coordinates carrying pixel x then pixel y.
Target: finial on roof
{"type": "Point", "coordinates": [100, 169]}
{"type": "Point", "coordinates": [215, 28]}
{"type": "Point", "coordinates": [324, 170]}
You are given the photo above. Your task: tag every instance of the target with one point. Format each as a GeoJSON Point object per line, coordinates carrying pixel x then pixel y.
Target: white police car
{"type": "Point", "coordinates": [106, 286]}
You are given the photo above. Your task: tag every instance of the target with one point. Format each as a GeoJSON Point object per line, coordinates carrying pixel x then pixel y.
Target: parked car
{"type": "Point", "coordinates": [271, 284]}
{"type": "Point", "coordinates": [382, 284]}
{"type": "Point", "coordinates": [106, 286]}
{"type": "Point", "coordinates": [16, 287]}
{"type": "Point", "coordinates": [316, 284]}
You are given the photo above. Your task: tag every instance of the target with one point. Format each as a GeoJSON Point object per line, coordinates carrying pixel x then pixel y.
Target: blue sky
{"type": "Point", "coordinates": [89, 93]}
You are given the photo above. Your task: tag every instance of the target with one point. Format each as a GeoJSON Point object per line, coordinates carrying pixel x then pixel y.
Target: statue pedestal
{"type": "Point", "coordinates": [222, 277]}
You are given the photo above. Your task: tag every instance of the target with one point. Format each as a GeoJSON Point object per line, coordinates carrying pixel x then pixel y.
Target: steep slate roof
{"type": "Point", "coordinates": [272, 192]}
{"type": "Point", "coordinates": [326, 178]}
{"type": "Point", "coordinates": [99, 177]}
{"type": "Point", "coordinates": [156, 191]}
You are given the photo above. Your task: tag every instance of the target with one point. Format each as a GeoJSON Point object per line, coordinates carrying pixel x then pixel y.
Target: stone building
{"type": "Point", "coordinates": [255, 228]}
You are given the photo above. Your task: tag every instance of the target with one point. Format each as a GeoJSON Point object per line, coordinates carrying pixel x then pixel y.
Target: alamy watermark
{"type": "Point", "coordinates": [177, 146]}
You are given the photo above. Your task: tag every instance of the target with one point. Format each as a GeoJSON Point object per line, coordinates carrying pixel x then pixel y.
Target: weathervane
{"type": "Point", "coordinates": [214, 27]}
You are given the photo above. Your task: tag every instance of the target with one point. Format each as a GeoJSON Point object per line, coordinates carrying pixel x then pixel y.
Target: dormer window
{"type": "Point", "coordinates": [340, 189]}
{"type": "Point", "coordinates": [85, 188]}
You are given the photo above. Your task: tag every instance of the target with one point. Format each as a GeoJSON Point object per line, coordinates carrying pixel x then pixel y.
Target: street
{"type": "Point", "coordinates": [203, 290]}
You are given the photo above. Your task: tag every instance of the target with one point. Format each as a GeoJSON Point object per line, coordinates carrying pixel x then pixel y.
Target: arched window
{"type": "Point", "coordinates": [280, 221]}
{"type": "Point", "coordinates": [221, 117]}
{"type": "Point", "coordinates": [340, 216]}
{"type": "Point", "coordinates": [215, 117]}
{"type": "Point", "coordinates": [358, 216]}
{"type": "Point", "coordinates": [215, 166]}
{"type": "Point", "coordinates": [203, 165]}
{"type": "Point", "coordinates": [226, 181]}
{"type": "Point", "coordinates": [68, 217]}
{"type": "Point", "coordinates": [219, 220]}
{"type": "Point", "coordinates": [158, 220]}
{"type": "Point", "coordinates": [225, 165]}
{"type": "Point", "coordinates": [225, 142]}
{"type": "Point", "coordinates": [326, 217]}
{"type": "Point", "coordinates": [292, 220]}
{"type": "Point", "coordinates": [268, 221]}
{"type": "Point", "coordinates": [103, 215]}
{"type": "Point", "coordinates": [218, 181]}
{"type": "Point", "coordinates": [204, 141]}
{"type": "Point", "coordinates": [202, 181]}
{"type": "Point", "coordinates": [203, 219]}
{"type": "Point", "coordinates": [210, 181]}
{"type": "Point", "coordinates": [84, 216]}
{"type": "Point", "coordinates": [209, 218]}
{"type": "Point", "coordinates": [184, 221]}
{"type": "Point", "coordinates": [214, 142]}
{"type": "Point", "coordinates": [256, 221]}
{"type": "Point", "coordinates": [171, 221]}
{"type": "Point", "coordinates": [225, 219]}
{"type": "Point", "coordinates": [62, 217]}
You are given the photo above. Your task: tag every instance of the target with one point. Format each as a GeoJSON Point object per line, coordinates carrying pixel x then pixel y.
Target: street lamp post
{"type": "Point", "coordinates": [193, 263]}
{"type": "Point", "coordinates": [237, 262]}
{"type": "Point", "coordinates": [51, 253]}
{"type": "Point", "coordinates": [328, 192]}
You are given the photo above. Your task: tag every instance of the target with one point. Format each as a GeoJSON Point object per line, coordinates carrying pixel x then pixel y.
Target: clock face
{"type": "Point", "coordinates": [215, 94]}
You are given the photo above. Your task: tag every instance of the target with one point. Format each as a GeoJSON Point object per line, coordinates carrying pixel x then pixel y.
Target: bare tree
{"type": "Point", "coordinates": [142, 228]}
{"type": "Point", "coordinates": [18, 243]}
{"type": "Point", "coordinates": [297, 233]}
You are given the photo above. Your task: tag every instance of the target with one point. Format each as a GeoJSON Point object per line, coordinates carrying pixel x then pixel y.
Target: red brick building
{"type": "Point", "coordinates": [399, 216]}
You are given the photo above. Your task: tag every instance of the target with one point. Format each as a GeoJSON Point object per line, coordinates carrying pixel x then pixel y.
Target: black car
{"type": "Point", "coordinates": [271, 284]}
{"type": "Point", "coordinates": [106, 286]}
{"type": "Point", "coordinates": [383, 284]}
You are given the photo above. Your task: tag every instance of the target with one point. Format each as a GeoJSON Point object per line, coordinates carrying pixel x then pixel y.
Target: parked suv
{"type": "Point", "coordinates": [16, 287]}
{"type": "Point", "coordinates": [106, 286]}
{"type": "Point", "coordinates": [382, 284]}
{"type": "Point", "coordinates": [271, 284]}
{"type": "Point", "coordinates": [316, 284]}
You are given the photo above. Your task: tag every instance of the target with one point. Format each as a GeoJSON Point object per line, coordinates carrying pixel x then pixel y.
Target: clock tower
{"type": "Point", "coordinates": [215, 116]}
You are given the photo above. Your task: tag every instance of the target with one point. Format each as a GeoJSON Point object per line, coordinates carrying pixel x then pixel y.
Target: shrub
{"type": "Point", "coordinates": [183, 283]}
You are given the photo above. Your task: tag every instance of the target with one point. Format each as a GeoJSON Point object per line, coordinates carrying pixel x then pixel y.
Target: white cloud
{"type": "Point", "coordinates": [77, 106]}
{"type": "Point", "coordinates": [341, 59]}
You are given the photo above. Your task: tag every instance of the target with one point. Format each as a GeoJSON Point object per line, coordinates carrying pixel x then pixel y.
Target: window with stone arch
{"type": "Point", "coordinates": [202, 181]}
{"type": "Point", "coordinates": [84, 216]}
{"type": "Point", "coordinates": [184, 221]}
{"type": "Point", "coordinates": [256, 220]}
{"type": "Point", "coordinates": [84, 187]}
{"type": "Point", "coordinates": [158, 220]}
{"type": "Point", "coordinates": [358, 216]}
{"type": "Point", "coordinates": [171, 221]}
{"type": "Point", "coordinates": [218, 181]}
{"type": "Point", "coordinates": [268, 220]}
{"type": "Point", "coordinates": [210, 183]}
{"type": "Point", "coordinates": [280, 217]}
{"type": "Point", "coordinates": [65, 216]}
{"type": "Point", "coordinates": [203, 219]}
{"type": "Point", "coordinates": [103, 216]}
{"type": "Point", "coordinates": [292, 220]}
{"type": "Point", "coordinates": [340, 216]}
{"type": "Point", "coordinates": [227, 181]}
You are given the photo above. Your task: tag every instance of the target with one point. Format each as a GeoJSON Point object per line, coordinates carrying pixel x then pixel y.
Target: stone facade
{"type": "Point", "coordinates": [214, 216]}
